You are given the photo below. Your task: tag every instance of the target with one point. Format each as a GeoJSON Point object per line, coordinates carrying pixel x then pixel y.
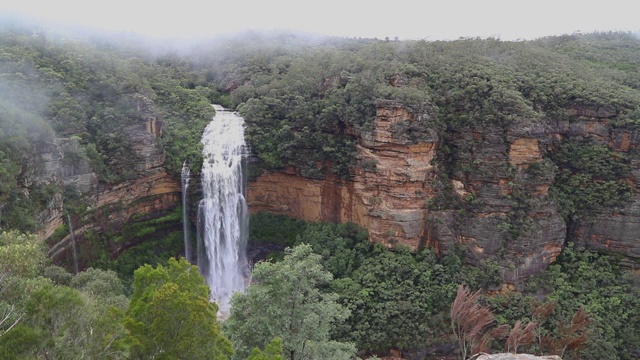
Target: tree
{"type": "Point", "coordinates": [20, 254]}
{"type": "Point", "coordinates": [396, 297]}
{"type": "Point", "coordinates": [170, 315]}
{"type": "Point", "coordinates": [62, 322]}
{"type": "Point", "coordinates": [59, 315]}
{"type": "Point", "coordinates": [273, 351]}
{"type": "Point", "coordinates": [285, 301]}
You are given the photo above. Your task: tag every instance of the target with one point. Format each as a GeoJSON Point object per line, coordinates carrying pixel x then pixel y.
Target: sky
{"type": "Point", "coordinates": [404, 19]}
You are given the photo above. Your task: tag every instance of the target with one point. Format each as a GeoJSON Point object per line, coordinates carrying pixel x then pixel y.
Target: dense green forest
{"type": "Point", "coordinates": [328, 293]}
{"type": "Point", "coordinates": [331, 295]}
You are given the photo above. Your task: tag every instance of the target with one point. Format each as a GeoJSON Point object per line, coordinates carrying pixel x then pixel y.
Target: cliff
{"type": "Point", "coordinates": [615, 231]}
{"type": "Point", "coordinates": [149, 194]}
{"type": "Point", "coordinates": [472, 152]}
{"type": "Point", "coordinates": [484, 187]}
{"type": "Point", "coordinates": [386, 195]}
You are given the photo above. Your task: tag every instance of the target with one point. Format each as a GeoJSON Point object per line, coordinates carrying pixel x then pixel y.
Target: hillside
{"type": "Point", "coordinates": [511, 149]}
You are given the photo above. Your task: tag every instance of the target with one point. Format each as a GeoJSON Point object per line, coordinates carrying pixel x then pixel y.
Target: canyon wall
{"type": "Point", "coordinates": [495, 202]}
{"type": "Point", "coordinates": [386, 195]}
{"type": "Point", "coordinates": [482, 187]}
{"type": "Point", "coordinates": [616, 231]}
{"type": "Point", "coordinates": [150, 193]}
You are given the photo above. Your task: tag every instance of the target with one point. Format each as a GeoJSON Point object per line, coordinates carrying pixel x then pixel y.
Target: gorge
{"type": "Point", "coordinates": [405, 168]}
{"type": "Point", "coordinates": [475, 161]}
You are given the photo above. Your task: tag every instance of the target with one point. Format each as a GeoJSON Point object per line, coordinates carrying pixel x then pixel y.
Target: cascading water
{"type": "Point", "coordinates": [186, 175]}
{"type": "Point", "coordinates": [222, 214]}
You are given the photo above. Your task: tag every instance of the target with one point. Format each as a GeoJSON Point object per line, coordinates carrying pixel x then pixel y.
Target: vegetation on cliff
{"type": "Point", "coordinates": [92, 90]}
{"type": "Point", "coordinates": [301, 95]}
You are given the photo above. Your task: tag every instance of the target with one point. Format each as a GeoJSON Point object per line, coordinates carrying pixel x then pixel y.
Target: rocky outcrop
{"type": "Point", "coordinates": [501, 183]}
{"type": "Point", "coordinates": [113, 206]}
{"type": "Point", "coordinates": [386, 195]}
{"type": "Point", "coordinates": [393, 178]}
{"type": "Point", "coordinates": [152, 191]}
{"type": "Point", "coordinates": [396, 183]}
{"type": "Point", "coordinates": [63, 163]}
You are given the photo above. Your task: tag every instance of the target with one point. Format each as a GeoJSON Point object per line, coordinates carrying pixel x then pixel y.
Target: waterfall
{"type": "Point", "coordinates": [73, 245]}
{"type": "Point", "coordinates": [222, 213]}
{"type": "Point", "coordinates": [186, 175]}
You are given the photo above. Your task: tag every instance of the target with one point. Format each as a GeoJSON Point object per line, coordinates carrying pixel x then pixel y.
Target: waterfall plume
{"type": "Point", "coordinates": [222, 213]}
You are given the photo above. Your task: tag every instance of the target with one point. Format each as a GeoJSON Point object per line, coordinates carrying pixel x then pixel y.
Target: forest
{"type": "Point", "coordinates": [323, 290]}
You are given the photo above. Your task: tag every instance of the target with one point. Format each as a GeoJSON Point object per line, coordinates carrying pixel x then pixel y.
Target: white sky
{"type": "Point", "coordinates": [416, 19]}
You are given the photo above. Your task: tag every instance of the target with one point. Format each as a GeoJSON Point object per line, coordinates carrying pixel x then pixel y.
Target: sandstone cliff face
{"type": "Point", "coordinates": [152, 191]}
{"type": "Point", "coordinates": [501, 182]}
{"type": "Point", "coordinates": [396, 182]}
{"type": "Point", "coordinates": [386, 195]}
{"type": "Point", "coordinates": [113, 206]}
{"type": "Point", "coordinates": [615, 231]}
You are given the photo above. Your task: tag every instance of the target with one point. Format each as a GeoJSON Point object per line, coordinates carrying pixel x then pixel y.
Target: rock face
{"type": "Point", "coordinates": [501, 184]}
{"type": "Point", "coordinates": [152, 191]}
{"type": "Point", "coordinates": [493, 199]}
{"type": "Point", "coordinates": [386, 196]}
{"type": "Point", "coordinates": [113, 206]}
{"type": "Point", "coordinates": [616, 231]}
{"type": "Point", "coordinates": [396, 189]}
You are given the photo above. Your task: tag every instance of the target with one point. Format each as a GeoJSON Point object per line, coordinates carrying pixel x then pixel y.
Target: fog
{"type": "Point", "coordinates": [430, 20]}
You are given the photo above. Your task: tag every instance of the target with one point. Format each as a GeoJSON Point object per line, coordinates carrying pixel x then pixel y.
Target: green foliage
{"type": "Point", "coordinates": [98, 282]}
{"type": "Point", "coordinates": [62, 322]}
{"type": "Point", "coordinates": [155, 251]}
{"type": "Point", "coordinates": [265, 227]}
{"type": "Point", "coordinates": [58, 313]}
{"type": "Point", "coordinates": [285, 301]}
{"type": "Point", "coordinates": [22, 207]}
{"type": "Point", "coordinates": [94, 92]}
{"type": "Point", "coordinates": [142, 241]}
{"type": "Point", "coordinates": [170, 315]}
{"type": "Point", "coordinates": [370, 279]}
{"type": "Point", "coordinates": [76, 323]}
{"type": "Point", "coordinates": [21, 255]}
{"type": "Point", "coordinates": [343, 247]}
{"type": "Point", "coordinates": [58, 275]}
{"type": "Point", "coordinates": [273, 351]}
{"type": "Point", "coordinates": [17, 343]}
{"type": "Point", "coordinates": [581, 278]}
{"type": "Point", "coordinates": [580, 282]}
{"type": "Point", "coordinates": [395, 299]}
{"type": "Point", "coordinates": [591, 178]}
{"type": "Point", "coordinates": [50, 319]}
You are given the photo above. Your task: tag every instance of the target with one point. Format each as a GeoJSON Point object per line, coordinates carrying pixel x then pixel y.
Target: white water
{"type": "Point", "coordinates": [222, 214]}
{"type": "Point", "coordinates": [186, 175]}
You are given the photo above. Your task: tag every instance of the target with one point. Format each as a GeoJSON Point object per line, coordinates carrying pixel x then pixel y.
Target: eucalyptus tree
{"type": "Point", "coordinates": [285, 301]}
{"type": "Point", "coordinates": [170, 315]}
